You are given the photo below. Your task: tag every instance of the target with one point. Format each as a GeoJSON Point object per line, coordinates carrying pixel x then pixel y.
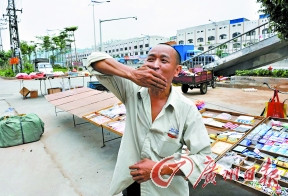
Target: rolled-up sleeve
{"type": "Point", "coordinates": [120, 87]}
{"type": "Point", "coordinates": [94, 57]}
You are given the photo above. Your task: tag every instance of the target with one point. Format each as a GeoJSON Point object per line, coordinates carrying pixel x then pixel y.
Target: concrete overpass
{"type": "Point", "coordinates": [263, 53]}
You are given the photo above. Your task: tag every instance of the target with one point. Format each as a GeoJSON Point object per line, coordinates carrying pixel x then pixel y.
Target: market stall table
{"type": "Point", "coordinates": [81, 101]}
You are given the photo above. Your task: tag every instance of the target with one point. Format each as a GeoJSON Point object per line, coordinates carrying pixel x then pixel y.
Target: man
{"type": "Point", "coordinates": [154, 110]}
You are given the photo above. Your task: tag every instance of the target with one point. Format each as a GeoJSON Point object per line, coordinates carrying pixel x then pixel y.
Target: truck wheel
{"type": "Point", "coordinates": [213, 84]}
{"type": "Point", "coordinates": [184, 88]}
{"type": "Point", "coordinates": [203, 88]}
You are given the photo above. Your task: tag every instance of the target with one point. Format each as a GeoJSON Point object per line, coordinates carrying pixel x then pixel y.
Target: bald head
{"type": "Point", "coordinates": [174, 54]}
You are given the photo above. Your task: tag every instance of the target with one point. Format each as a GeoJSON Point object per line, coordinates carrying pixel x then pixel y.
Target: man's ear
{"type": "Point", "coordinates": [177, 70]}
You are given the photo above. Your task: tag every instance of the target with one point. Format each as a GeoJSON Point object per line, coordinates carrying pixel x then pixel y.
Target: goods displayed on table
{"type": "Point", "coordinates": [199, 104]}
{"type": "Point", "coordinates": [118, 126]}
{"type": "Point", "coordinates": [112, 118]}
{"type": "Point", "coordinates": [260, 159]}
{"type": "Point", "coordinates": [113, 112]}
{"type": "Point", "coordinates": [97, 118]}
{"type": "Point", "coordinates": [226, 128]}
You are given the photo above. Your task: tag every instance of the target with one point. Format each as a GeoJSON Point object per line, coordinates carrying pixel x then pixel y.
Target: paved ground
{"type": "Point", "coordinates": [69, 160]}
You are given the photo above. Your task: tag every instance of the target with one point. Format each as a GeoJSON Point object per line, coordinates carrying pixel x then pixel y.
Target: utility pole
{"type": "Point", "coordinates": [1, 28]}
{"type": "Point", "coordinates": [14, 34]}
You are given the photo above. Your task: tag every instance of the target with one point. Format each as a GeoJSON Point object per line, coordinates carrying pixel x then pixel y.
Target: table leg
{"type": "Point", "coordinates": [103, 141]}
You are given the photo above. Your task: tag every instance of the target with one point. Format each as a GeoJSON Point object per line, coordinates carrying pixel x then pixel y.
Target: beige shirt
{"type": "Point", "coordinates": [144, 139]}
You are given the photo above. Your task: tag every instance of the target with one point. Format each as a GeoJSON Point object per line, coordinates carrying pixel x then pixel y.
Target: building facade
{"type": "Point", "coordinates": [133, 48]}
{"type": "Point", "coordinates": [205, 37]}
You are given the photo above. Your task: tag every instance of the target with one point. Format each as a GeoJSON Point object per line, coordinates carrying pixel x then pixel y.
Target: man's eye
{"type": "Point", "coordinates": [164, 61]}
{"type": "Point", "coordinates": [150, 60]}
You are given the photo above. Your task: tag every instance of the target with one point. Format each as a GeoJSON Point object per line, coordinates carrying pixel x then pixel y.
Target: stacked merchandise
{"type": "Point", "coordinates": [260, 159]}
{"type": "Point", "coordinates": [199, 104]}
{"type": "Point", "coordinates": [112, 118]}
{"type": "Point", "coordinates": [226, 128]}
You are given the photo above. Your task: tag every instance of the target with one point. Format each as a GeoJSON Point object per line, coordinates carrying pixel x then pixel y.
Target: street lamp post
{"type": "Point", "coordinates": [94, 20]}
{"type": "Point", "coordinates": [100, 21]}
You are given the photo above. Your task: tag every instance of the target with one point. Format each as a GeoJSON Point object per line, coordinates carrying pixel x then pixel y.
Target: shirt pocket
{"type": "Point", "coordinates": [165, 146]}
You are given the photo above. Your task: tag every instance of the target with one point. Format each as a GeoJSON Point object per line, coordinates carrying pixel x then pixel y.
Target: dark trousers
{"type": "Point", "coordinates": [132, 190]}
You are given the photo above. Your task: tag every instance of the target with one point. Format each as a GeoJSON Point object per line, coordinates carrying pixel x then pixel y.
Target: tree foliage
{"type": "Point", "coordinates": [278, 12]}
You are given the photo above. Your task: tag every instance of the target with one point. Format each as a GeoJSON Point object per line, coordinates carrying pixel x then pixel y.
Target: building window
{"type": "Point", "coordinates": [190, 41]}
{"type": "Point", "coordinates": [251, 33]}
{"type": "Point", "coordinates": [210, 47]}
{"type": "Point", "coordinates": [129, 47]}
{"type": "Point", "coordinates": [223, 36]}
{"type": "Point", "coordinates": [146, 45]}
{"type": "Point", "coordinates": [141, 53]}
{"type": "Point", "coordinates": [181, 42]}
{"type": "Point", "coordinates": [198, 31]}
{"type": "Point", "coordinates": [113, 50]}
{"type": "Point", "coordinates": [211, 38]}
{"type": "Point", "coordinates": [109, 51]}
{"type": "Point", "coordinates": [125, 48]}
{"type": "Point", "coordinates": [135, 47]}
{"type": "Point", "coordinates": [220, 27]}
{"type": "Point", "coordinates": [233, 25]}
{"type": "Point", "coordinates": [147, 52]}
{"type": "Point", "coordinates": [239, 25]}
{"type": "Point", "coordinates": [201, 48]}
{"type": "Point", "coordinates": [140, 46]}
{"type": "Point", "coordinates": [235, 34]}
{"type": "Point", "coordinates": [136, 53]}
{"type": "Point", "coordinates": [200, 39]}
{"type": "Point", "coordinates": [117, 50]}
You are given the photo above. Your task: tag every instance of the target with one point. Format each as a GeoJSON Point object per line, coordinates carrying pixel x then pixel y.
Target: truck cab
{"type": "Point", "coordinates": [43, 65]}
{"type": "Point", "coordinates": [45, 68]}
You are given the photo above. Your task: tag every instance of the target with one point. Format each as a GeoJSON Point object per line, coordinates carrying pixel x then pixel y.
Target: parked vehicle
{"type": "Point", "coordinates": [200, 80]}
{"type": "Point", "coordinates": [43, 65]}
{"type": "Point", "coordinates": [192, 61]}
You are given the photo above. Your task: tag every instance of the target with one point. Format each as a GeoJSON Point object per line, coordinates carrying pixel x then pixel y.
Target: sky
{"type": "Point", "coordinates": [154, 17]}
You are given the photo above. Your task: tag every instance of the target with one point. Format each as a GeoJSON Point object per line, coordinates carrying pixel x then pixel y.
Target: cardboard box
{"type": "Point", "coordinates": [24, 92]}
{"type": "Point", "coordinates": [34, 93]}
{"type": "Point", "coordinates": [54, 90]}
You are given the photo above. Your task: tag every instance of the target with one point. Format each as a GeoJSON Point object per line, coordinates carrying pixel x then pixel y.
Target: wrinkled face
{"type": "Point", "coordinates": [163, 60]}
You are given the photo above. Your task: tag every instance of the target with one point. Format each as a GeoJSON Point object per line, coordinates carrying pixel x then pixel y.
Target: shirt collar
{"type": "Point", "coordinates": [172, 99]}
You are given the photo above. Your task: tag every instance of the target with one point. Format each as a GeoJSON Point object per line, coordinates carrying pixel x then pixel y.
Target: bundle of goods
{"type": "Point", "coordinates": [16, 130]}
{"type": "Point", "coordinates": [200, 104]}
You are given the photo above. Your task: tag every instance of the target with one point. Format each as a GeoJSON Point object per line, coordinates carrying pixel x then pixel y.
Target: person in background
{"type": "Point", "coordinates": [159, 122]}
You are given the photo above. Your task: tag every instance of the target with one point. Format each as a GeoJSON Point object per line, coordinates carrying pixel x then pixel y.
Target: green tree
{"type": "Point", "coordinates": [4, 57]}
{"type": "Point", "coordinates": [27, 49]}
{"type": "Point", "coordinates": [278, 12]}
{"type": "Point", "coordinates": [72, 30]}
{"type": "Point", "coordinates": [60, 43]}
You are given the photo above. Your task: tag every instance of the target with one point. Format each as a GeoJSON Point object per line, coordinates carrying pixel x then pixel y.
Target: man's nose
{"type": "Point", "coordinates": [156, 65]}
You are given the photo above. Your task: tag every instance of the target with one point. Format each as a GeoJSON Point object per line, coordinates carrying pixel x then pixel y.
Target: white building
{"type": "Point", "coordinates": [129, 49]}
{"type": "Point", "coordinates": [134, 48]}
{"type": "Point", "coordinates": [203, 37]}
{"type": "Point", "coordinates": [207, 36]}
